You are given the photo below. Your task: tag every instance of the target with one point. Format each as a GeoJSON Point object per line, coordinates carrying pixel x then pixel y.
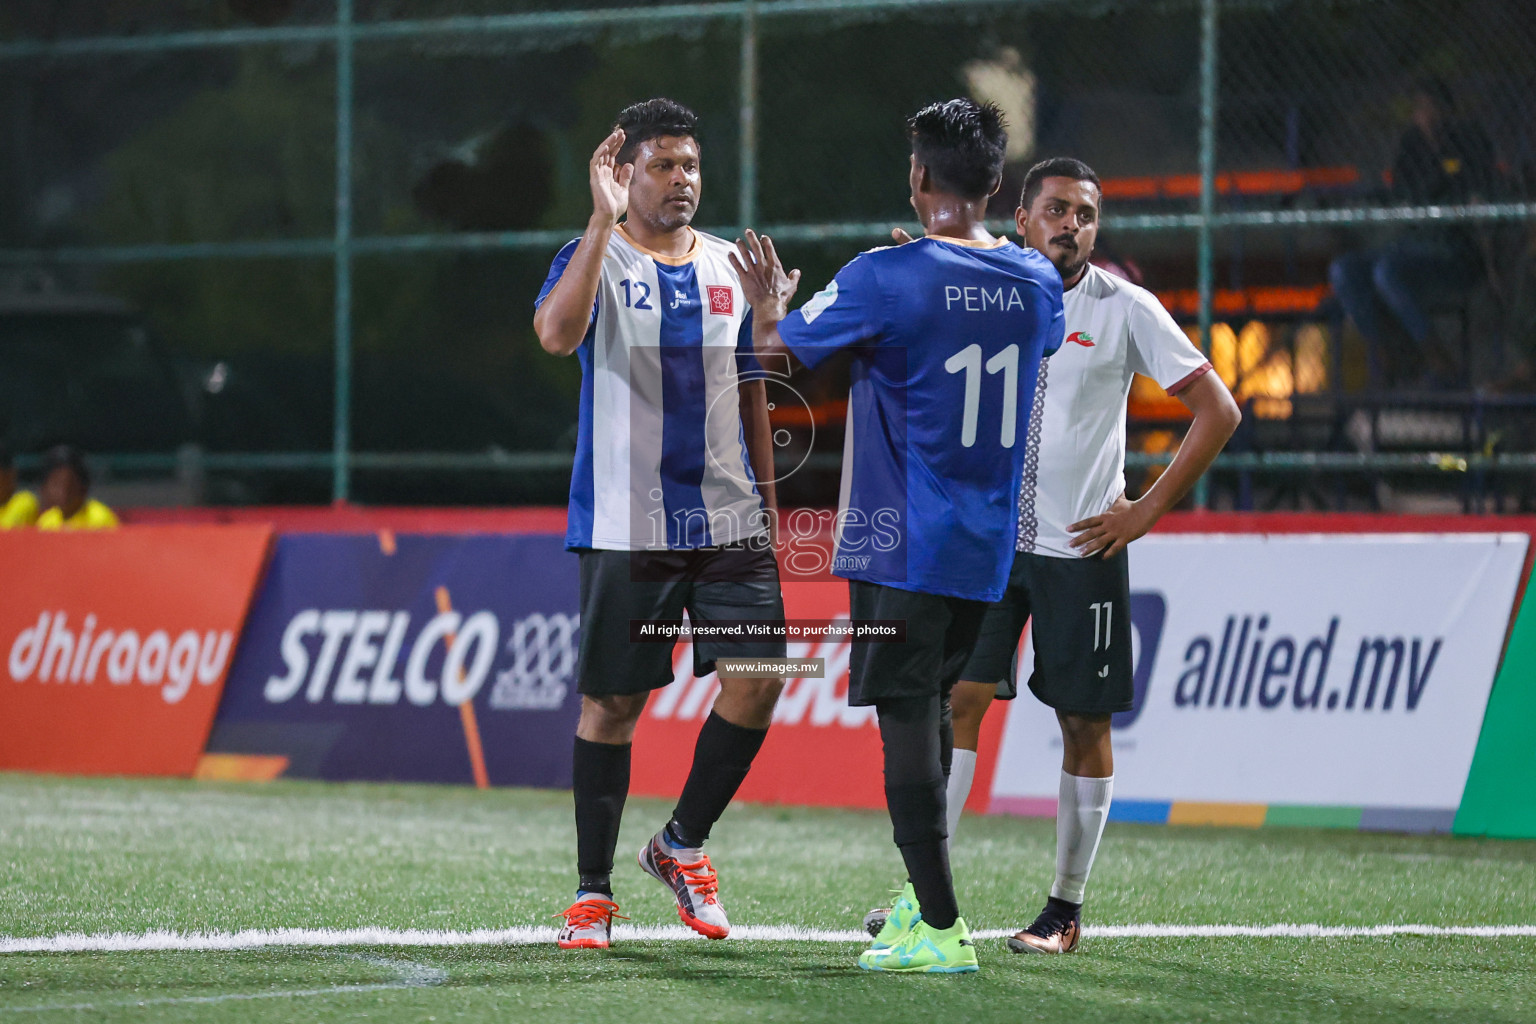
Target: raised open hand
{"type": "Point", "coordinates": [610, 179]}
{"type": "Point", "coordinates": [767, 287]}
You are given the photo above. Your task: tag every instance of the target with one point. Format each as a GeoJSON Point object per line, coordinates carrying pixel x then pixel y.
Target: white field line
{"type": "Point", "coordinates": [408, 974]}
{"type": "Point", "coordinates": [122, 942]}
{"type": "Point", "coordinates": [1298, 931]}
{"type": "Point", "coordinates": [297, 993]}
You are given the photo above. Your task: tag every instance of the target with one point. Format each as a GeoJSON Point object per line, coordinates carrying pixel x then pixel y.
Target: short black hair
{"type": "Point", "coordinates": [652, 120]}
{"type": "Point", "coordinates": [962, 143]}
{"type": "Point", "coordinates": [66, 455]}
{"type": "Point", "coordinates": [1056, 167]}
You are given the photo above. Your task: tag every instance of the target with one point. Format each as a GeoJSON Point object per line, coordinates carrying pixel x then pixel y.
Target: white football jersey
{"type": "Point", "coordinates": [661, 457]}
{"type": "Point", "coordinates": [1074, 457]}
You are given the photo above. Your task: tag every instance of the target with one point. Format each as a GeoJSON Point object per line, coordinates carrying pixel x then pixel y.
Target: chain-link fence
{"type": "Point", "coordinates": [286, 249]}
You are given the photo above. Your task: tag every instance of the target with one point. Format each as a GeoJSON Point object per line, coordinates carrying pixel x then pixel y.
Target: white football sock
{"type": "Point", "coordinates": [1080, 814]}
{"type": "Point", "coordinates": [962, 770]}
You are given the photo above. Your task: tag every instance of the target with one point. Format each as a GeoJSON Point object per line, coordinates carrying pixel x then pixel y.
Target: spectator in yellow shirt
{"type": "Point", "coordinates": [66, 493]}
{"type": "Point", "coordinates": [17, 508]}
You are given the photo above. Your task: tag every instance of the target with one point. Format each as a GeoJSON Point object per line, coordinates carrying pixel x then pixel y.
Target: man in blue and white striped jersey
{"type": "Point", "coordinates": [672, 500]}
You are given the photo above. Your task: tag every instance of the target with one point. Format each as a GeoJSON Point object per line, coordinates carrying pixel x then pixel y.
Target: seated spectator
{"type": "Point", "coordinates": [17, 508]}
{"type": "Point", "coordinates": [1440, 160]}
{"type": "Point", "coordinates": [66, 493]}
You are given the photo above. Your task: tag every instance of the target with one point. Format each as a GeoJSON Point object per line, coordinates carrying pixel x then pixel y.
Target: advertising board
{"type": "Point", "coordinates": [118, 643]}
{"type": "Point", "coordinates": [1302, 671]}
{"type": "Point", "coordinates": [409, 658]}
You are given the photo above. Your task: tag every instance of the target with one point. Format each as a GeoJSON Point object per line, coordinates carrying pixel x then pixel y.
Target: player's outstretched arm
{"type": "Point", "coordinates": [768, 290]}
{"type": "Point", "coordinates": [1216, 417]}
{"type": "Point", "coordinates": [562, 320]}
{"type": "Point", "coordinates": [758, 431]}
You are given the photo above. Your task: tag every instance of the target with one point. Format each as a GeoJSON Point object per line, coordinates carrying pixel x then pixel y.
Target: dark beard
{"type": "Point", "coordinates": [1071, 270]}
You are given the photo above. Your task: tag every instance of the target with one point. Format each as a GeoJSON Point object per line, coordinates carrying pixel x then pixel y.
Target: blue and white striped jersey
{"type": "Point", "coordinates": [661, 459]}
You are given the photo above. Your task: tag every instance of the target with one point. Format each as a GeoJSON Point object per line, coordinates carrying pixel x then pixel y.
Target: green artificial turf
{"type": "Point", "coordinates": [134, 856]}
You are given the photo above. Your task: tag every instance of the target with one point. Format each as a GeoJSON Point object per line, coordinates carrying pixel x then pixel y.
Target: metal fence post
{"type": "Point", "coordinates": [342, 442]}
{"type": "Point", "coordinates": [1206, 254]}
{"type": "Point", "coordinates": [746, 202]}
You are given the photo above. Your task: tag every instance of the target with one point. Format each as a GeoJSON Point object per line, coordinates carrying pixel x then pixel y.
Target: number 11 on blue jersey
{"type": "Point", "coordinates": [1006, 362]}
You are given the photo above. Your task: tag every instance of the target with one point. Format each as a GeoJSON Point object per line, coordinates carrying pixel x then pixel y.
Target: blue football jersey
{"type": "Point", "coordinates": [946, 338]}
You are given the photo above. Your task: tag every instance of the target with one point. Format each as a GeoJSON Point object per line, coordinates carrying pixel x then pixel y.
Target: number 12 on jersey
{"type": "Point", "coordinates": [1006, 362]}
{"type": "Point", "coordinates": [636, 300]}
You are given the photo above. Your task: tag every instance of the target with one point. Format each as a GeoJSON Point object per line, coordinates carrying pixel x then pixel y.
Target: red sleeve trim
{"type": "Point", "coordinates": [1187, 381]}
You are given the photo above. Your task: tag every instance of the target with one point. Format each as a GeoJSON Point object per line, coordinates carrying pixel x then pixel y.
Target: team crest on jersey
{"type": "Point", "coordinates": [722, 300]}
{"type": "Point", "coordinates": [1083, 338]}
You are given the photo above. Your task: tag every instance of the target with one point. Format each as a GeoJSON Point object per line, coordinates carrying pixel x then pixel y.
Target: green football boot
{"type": "Point", "coordinates": [926, 950]}
{"type": "Point", "coordinates": [888, 926]}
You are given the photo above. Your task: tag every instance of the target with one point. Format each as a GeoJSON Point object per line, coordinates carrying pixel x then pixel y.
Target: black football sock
{"type": "Point", "coordinates": [721, 760]}
{"type": "Point", "coordinates": [946, 752]}
{"type": "Point", "coordinates": [928, 864]}
{"type": "Point", "coordinates": [600, 783]}
{"type": "Point", "coordinates": [914, 795]}
{"type": "Point", "coordinates": [946, 737]}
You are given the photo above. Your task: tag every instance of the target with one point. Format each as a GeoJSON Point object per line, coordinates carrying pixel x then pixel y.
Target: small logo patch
{"type": "Point", "coordinates": [1083, 338]}
{"type": "Point", "coordinates": [722, 300]}
{"type": "Point", "coordinates": [819, 302]}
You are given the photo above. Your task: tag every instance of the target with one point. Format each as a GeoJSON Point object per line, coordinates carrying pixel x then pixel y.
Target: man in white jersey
{"type": "Point", "coordinates": [1070, 571]}
{"type": "Point", "coordinates": [671, 501]}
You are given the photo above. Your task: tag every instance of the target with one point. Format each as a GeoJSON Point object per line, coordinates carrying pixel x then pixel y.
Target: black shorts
{"type": "Point", "coordinates": [940, 633]}
{"type": "Point", "coordinates": [734, 582]}
{"type": "Point", "coordinates": [1082, 633]}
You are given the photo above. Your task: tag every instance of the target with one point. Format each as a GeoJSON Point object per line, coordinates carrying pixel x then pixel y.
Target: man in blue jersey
{"type": "Point", "coordinates": [1070, 574]}
{"type": "Point", "coordinates": [947, 334]}
{"type": "Point", "coordinates": [671, 505]}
